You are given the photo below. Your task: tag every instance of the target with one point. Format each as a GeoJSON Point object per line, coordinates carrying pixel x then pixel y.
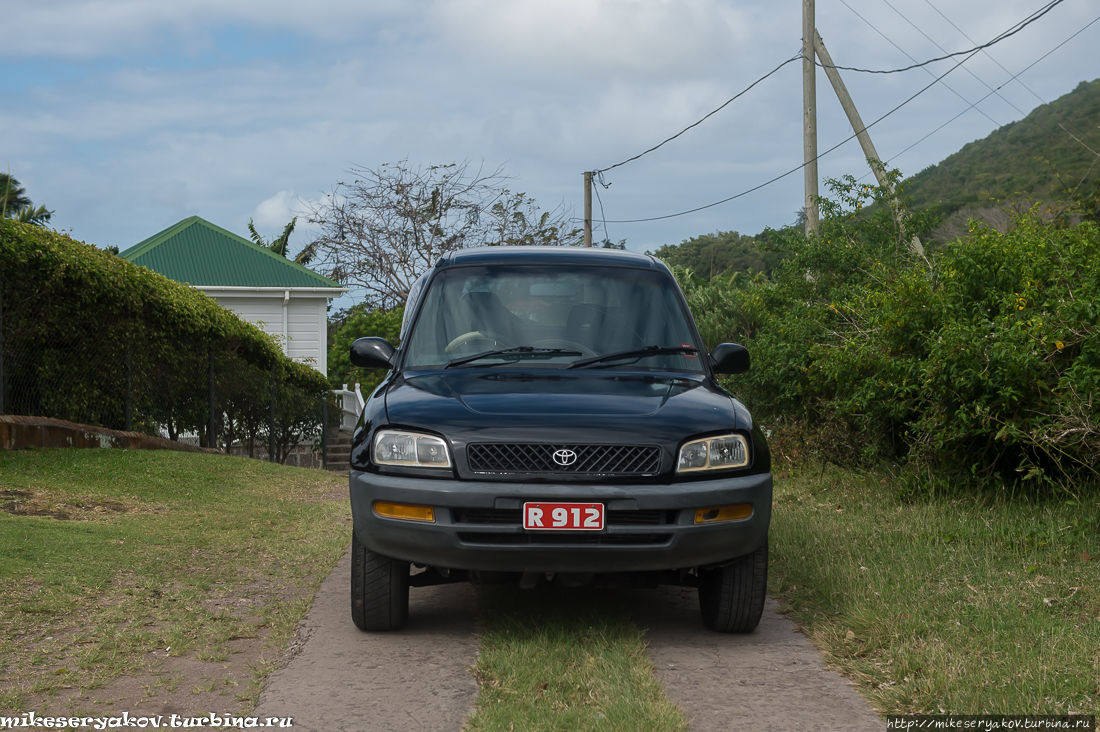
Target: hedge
{"type": "Point", "coordinates": [80, 325]}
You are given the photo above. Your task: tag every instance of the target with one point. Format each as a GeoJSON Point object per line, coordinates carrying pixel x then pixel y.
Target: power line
{"type": "Point", "coordinates": [709, 114]}
{"type": "Point", "coordinates": [603, 216]}
{"type": "Point", "coordinates": [925, 68]}
{"type": "Point", "coordinates": [986, 53]}
{"type": "Point", "coordinates": [1007, 34]}
{"type": "Point", "coordinates": [972, 52]}
{"type": "Point", "coordinates": [803, 165]}
{"type": "Point", "coordinates": [1027, 68]}
{"type": "Point", "coordinates": [968, 70]}
{"type": "Point", "coordinates": [1025, 86]}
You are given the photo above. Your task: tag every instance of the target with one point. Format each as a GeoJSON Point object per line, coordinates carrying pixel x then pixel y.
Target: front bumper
{"type": "Point", "coordinates": [474, 527]}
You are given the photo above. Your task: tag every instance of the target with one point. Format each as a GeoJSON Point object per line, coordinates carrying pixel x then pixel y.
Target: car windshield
{"type": "Point", "coordinates": [590, 311]}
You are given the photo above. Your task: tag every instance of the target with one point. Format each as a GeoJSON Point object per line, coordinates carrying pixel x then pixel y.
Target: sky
{"type": "Point", "coordinates": [125, 116]}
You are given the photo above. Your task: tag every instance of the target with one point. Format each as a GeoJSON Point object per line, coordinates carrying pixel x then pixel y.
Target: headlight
{"type": "Point", "coordinates": [410, 449]}
{"type": "Point", "coordinates": [713, 453]}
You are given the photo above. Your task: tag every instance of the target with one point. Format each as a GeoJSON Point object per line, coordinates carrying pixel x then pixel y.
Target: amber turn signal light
{"type": "Point", "coordinates": [723, 513]}
{"type": "Point", "coordinates": [404, 512]}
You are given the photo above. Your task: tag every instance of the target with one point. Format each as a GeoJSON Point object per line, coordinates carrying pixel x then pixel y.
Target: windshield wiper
{"type": "Point", "coordinates": [636, 354]}
{"type": "Point", "coordinates": [517, 353]}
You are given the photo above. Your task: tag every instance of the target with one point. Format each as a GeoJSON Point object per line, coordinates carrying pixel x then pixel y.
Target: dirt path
{"type": "Point", "coordinates": [773, 679]}
{"type": "Point", "coordinates": [418, 678]}
{"type": "Point", "coordinates": [414, 679]}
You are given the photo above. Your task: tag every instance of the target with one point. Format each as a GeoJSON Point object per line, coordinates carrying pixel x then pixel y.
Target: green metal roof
{"type": "Point", "coordinates": [198, 253]}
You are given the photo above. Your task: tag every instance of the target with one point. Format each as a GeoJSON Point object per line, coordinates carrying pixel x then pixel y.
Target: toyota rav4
{"type": "Point", "coordinates": [552, 416]}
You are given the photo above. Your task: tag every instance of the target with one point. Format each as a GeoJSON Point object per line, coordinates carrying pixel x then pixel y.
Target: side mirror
{"type": "Point", "coordinates": [372, 353]}
{"type": "Point", "coordinates": [730, 358]}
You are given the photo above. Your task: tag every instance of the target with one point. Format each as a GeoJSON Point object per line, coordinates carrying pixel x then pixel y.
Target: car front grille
{"type": "Point", "coordinates": [522, 457]}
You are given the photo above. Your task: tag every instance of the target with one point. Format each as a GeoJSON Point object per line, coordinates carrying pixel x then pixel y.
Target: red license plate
{"type": "Point", "coordinates": [563, 516]}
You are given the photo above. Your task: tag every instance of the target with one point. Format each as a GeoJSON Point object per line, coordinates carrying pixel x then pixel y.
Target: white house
{"type": "Point", "coordinates": [283, 298]}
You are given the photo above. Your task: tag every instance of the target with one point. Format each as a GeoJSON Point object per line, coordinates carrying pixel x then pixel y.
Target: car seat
{"type": "Point", "coordinates": [484, 312]}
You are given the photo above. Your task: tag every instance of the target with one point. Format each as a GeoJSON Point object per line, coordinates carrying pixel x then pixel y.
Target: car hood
{"type": "Point", "coordinates": [582, 406]}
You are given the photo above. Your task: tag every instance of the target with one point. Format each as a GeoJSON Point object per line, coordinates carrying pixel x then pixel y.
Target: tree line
{"type": "Point", "coordinates": [975, 364]}
{"type": "Point", "coordinates": [971, 361]}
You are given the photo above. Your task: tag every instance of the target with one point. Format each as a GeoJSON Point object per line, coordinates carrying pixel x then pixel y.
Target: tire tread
{"type": "Point", "coordinates": [731, 598]}
{"type": "Point", "coordinates": [379, 589]}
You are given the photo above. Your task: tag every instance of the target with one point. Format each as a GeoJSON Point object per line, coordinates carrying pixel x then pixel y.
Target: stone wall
{"type": "Point", "coordinates": [17, 433]}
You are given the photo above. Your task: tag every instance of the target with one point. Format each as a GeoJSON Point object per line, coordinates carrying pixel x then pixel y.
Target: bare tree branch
{"type": "Point", "coordinates": [389, 225]}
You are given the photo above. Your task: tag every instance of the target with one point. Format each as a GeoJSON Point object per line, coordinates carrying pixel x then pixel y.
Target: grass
{"type": "Point", "coordinates": [958, 605]}
{"type": "Point", "coordinates": [965, 605]}
{"type": "Point", "coordinates": [565, 660]}
{"type": "Point", "coordinates": [156, 553]}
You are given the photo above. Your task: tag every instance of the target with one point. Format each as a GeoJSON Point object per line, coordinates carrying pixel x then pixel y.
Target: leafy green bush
{"type": "Point", "coordinates": [88, 336]}
{"type": "Point", "coordinates": [993, 364]}
{"type": "Point", "coordinates": [979, 362]}
{"type": "Point", "coordinates": [360, 322]}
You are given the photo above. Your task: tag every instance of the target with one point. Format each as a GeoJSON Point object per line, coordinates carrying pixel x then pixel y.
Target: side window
{"type": "Point", "coordinates": [410, 303]}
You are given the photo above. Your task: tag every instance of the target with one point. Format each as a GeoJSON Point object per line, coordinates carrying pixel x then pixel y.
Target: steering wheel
{"type": "Point", "coordinates": [567, 345]}
{"type": "Point", "coordinates": [493, 338]}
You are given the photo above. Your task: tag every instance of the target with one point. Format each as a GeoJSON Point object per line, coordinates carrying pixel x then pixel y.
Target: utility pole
{"type": "Point", "coordinates": [809, 115]}
{"type": "Point", "coordinates": [858, 127]}
{"type": "Point", "coordinates": [587, 208]}
{"type": "Point", "coordinates": [853, 114]}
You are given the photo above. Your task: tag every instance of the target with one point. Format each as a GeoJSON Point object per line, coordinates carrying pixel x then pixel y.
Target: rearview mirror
{"type": "Point", "coordinates": [372, 353]}
{"type": "Point", "coordinates": [730, 358]}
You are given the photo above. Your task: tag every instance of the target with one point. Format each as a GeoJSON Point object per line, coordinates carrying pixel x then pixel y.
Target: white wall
{"type": "Point", "coordinates": [298, 322]}
{"type": "Point", "coordinates": [266, 312]}
{"type": "Point", "coordinates": [306, 330]}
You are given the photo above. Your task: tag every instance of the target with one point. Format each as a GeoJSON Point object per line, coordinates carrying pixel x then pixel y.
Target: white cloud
{"type": "Point", "coordinates": [277, 211]}
{"type": "Point", "coordinates": [122, 144]}
{"type": "Point", "coordinates": [596, 37]}
{"type": "Point", "coordinates": [92, 28]}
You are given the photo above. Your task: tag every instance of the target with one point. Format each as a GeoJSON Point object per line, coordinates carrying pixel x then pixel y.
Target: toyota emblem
{"type": "Point", "coordinates": [564, 457]}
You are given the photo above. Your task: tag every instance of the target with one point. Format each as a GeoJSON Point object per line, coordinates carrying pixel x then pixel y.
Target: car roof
{"type": "Point", "coordinates": [548, 255]}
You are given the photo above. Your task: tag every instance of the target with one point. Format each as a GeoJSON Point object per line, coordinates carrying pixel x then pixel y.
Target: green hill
{"type": "Point", "coordinates": [1033, 159]}
{"type": "Point", "coordinates": [1029, 160]}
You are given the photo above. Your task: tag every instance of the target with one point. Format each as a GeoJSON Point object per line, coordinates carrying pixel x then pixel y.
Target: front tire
{"type": "Point", "coordinates": [379, 589]}
{"type": "Point", "coordinates": [731, 598]}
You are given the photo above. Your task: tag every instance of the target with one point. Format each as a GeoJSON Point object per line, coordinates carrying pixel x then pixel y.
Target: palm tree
{"type": "Point", "coordinates": [12, 196]}
{"type": "Point", "coordinates": [281, 244]}
{"type": "Point", "coordinates": [33, 215]}
{"type": "Point", "coordinates": [14, 203]}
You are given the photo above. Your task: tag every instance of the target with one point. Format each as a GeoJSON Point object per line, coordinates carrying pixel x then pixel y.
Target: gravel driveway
{"type": "Point", "coordinates": [772, 679]}
{"type": "Point", "coordinates": [418, 678]}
